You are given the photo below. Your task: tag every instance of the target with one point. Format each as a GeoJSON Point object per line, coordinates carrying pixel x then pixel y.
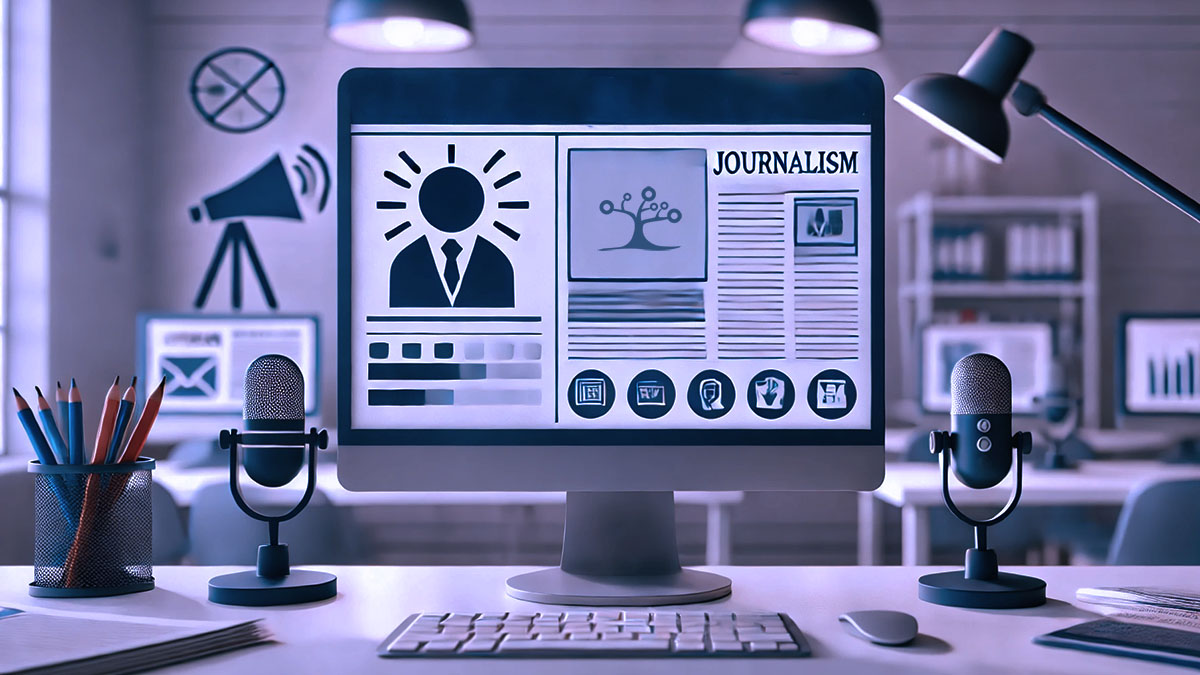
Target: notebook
{"type": "Point", "coordinates": [1133, 640]}
{"type": "Point", "coordinates": [48, 642]}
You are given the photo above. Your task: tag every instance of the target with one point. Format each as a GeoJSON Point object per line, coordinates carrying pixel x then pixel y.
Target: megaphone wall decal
{"type": "Point", "coordinates": [264, 193]}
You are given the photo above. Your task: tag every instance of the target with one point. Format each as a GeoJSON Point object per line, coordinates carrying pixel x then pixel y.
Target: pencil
{"type": "Point", "coordinates": [42, 449]}
{"type": "Point", "coordinates": [57, 444]}
{"type": "Point", "coordinates": [108, 418]}
{"type": "Point", "coordinates": [123, 414]}
{"type": "Point", "coordinates": [75, 423]}
{"type": "Point", "coordinates": [60, 396]}
{"type": "Point", "coordinates": [137, 440]}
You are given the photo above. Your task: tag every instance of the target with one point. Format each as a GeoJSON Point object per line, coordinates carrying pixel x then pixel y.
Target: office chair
{"type": "Point", "coordinates": [16, 503]}
{"type": "Point", "coordinates": [222, 535]}
{"type": "Point", "coordinates": [1157, 525]}
{"type": "Point", "coordinates": [170, 537]}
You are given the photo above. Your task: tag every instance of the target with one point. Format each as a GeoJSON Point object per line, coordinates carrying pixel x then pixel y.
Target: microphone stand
{"type": "Point", "coordinates": [273, 582]}
{"type": "Point", "coordinates": [981, 585]}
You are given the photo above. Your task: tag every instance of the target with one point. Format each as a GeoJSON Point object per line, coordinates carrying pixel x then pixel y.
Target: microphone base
{"type": "Point", "coordinates": [1006, 591]}
{"type": "Point", "coordinates": [247, 589]}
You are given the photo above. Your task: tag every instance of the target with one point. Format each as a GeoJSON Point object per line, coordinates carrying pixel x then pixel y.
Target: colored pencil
{"type": "Point", "coordinates": [42, 449]}
{"type": "Point", "coordinates": [60, 397]}
{"type": "Point", "coordinates": [123, 414]}
{"type": "Point", "coordinates": [108, 419]}
{"type": "Point", "coordinates": [46, 413]}
{"type": "Point", "coordinates": [75, 423]}
{"type": "Point", "coordinates": [137, 440]}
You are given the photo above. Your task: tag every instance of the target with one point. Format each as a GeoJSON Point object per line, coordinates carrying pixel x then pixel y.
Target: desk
{"type": "Point", "coordinates": [340, 635]}
{"type": "Point", "coordinates": [184, 483]}
{"type": "Point", "coordinates": [916, 488]}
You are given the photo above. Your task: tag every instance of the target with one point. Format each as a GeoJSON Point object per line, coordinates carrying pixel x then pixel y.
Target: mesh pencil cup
{"type": "Point", "coordinates": [92, 529]}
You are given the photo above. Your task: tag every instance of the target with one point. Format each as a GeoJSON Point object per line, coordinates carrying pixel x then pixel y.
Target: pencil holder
{"type": "Point", "coordinates": [92, 529]}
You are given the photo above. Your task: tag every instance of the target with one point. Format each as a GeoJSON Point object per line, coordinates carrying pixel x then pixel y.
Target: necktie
{"type": "Point", "coordinates": [451, 248]}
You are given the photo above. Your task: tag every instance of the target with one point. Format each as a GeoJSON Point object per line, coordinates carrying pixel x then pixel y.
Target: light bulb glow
{"type": "Point", "coordinates": [404, 33]}
{"type": "Point", "coordinates": [944, 127]}
{"type": "Point", "coordinates": [810, 35]}
{"type": "Point", "coordinates": [401, 33]}
{"type": "Point", "coordinates": [810, 32]}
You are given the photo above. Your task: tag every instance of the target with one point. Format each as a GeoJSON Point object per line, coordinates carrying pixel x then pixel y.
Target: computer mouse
{"type": "Point", "coordinates": [881, 626]}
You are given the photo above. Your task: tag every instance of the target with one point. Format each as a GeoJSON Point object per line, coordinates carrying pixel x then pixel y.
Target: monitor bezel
{"type": "Point", "coordinates": [631, 96]}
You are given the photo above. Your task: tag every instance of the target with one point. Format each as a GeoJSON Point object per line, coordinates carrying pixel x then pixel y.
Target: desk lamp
{"type": "Point", "coordinates": [968, 108]}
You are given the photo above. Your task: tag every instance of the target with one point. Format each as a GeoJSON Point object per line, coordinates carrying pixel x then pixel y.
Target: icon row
{"type": "Point", "coordinates": [770, 394]}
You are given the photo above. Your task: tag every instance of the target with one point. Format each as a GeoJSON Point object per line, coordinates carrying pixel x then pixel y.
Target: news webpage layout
{"type": "Point", "coordinates": [610, 277]}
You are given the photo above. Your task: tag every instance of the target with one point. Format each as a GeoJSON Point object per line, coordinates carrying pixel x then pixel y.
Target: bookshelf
{"type": "Point", "coordinates": [1004, 258]}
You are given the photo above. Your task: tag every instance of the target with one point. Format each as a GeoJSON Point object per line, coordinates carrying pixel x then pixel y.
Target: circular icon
{"type": "Point", "coordinates": [711, 394]}
{"type": "Point", "coordinates": [832, 394]}
{"type": "Point", "coordinates": [591, 394]}
{"type": "Point", "coordinates": [651, 394]}
{"type": "Point", "coordinates": [451, 199]}
{"type": "Point", "coordinates": [770, 394]}
{"type": "Point", "coordinates": [237, 89]}
{"type": "Point", "coordinates": [984, 444]}
{"type": "Point", "coordinates": [983, 425]}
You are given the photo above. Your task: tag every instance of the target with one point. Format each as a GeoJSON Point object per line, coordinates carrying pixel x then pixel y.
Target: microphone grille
{"type": "Point", "coordinates": [980, 384]}
{"type": "Point", "coordinates": [273, 390]}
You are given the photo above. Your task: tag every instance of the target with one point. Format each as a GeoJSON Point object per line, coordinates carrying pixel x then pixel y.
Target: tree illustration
{"type": "Point", "coordinates": [647, 212]}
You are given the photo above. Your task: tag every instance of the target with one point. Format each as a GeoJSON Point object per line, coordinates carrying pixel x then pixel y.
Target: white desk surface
{"type": "Point", "coordinates": [1097, 482]}
{"type": "Point", "coordinates": [340, 635]}
{"type": "Point", "coordinates": [184, 483]}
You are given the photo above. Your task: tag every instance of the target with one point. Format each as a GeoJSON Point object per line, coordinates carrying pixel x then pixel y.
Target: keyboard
{"type": "Point", "coordinates": [596, 633]}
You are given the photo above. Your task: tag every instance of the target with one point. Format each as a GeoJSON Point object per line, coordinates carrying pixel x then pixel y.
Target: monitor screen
{"type": "Point", "coordinates": [565, 281]}
{"type": "Point", "coordinates": [1026, 348]}
{"type": "Point", "coordinates": [1157, 365]}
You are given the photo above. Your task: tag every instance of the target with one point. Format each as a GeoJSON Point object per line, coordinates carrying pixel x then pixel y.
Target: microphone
{"type": "Point", "coordinates": [274, 447]}
{"type": "Point", "coordinates": [273, 404]}
{"type": "Point", "coordinates": [981, 420]}
{"type": "Point", "coordinates": [982, 447]}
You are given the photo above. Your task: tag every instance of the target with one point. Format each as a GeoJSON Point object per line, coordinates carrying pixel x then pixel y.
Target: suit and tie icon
{"type": "Point", "coordinates": [452, 266]}
{"type": "Point", "coordinates": [486, 281]}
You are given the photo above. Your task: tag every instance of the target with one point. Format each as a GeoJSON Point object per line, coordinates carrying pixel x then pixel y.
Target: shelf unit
{"type": "Point", "coordinates": [1071, 305]}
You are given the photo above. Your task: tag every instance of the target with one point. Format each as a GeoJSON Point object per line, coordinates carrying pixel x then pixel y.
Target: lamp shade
{"type": "Point", "coordinates": [968, 106]}
{"type": "Point", "coordinates": [401, 25]}
{"type": "Point", "coordinates": [832, 27]}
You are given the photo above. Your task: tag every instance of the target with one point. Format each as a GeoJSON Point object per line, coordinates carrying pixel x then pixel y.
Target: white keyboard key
{"type": "Point", "coordinates": [585, 636]}
{"type": "Point", "coordinates": [586, 645]}
{"type": "Point", "coordinates": [616, 636]}
{"type": "Point", "coordinates": [727, 646]}
{"type": "Point", "coordinates": [636, 615]}
{"type": "Point", "coordinates": [788, 647]}
{"type": "Point", "coordinates": [401, 645]}
{"type": "Point", "coordinates": [441, 646]}
{"type": "Point", "coordinates": [552, 636]}
{"type": "Point", "coordinates": [761, 646]}
{"type": "Point", "coordinates": [607, 615]}
{"type": "Point", "coordinates": [480, 644]}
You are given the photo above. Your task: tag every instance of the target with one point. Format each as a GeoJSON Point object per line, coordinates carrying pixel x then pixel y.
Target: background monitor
{"type": "Point", "coordinates": [204, 358]}
{"type": "Point", "coordinates": [630, 281]}
{"type": "Point", "coordinates": [1026, 348]}
{"type": "Point", "coordinates": [1158, 372]}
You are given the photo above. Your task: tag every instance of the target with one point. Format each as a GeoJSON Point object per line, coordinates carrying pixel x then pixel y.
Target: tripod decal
{"type": "Point", "coordinates": [267, 192]}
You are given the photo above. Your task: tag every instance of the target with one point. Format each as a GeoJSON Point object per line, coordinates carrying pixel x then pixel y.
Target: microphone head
{"type": "Point", "coordinates": [980, 384]}
{"type": "Point", "coordinates": [273, 395]}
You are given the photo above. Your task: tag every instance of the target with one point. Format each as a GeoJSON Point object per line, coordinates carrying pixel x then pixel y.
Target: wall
{"type": "Point", "coordinates": [1116, 66]}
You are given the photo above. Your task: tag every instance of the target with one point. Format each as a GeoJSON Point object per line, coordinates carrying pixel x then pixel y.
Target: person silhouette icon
{"type": "Point", "coordinates": [449, 267]}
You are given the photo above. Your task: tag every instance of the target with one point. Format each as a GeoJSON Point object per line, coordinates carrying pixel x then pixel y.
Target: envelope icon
{"type": "Point", "coordinates": [190, 376]}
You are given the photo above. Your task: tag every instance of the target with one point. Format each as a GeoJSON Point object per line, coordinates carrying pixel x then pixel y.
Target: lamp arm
{"type": "Point", "coordinates": [1029, 101]}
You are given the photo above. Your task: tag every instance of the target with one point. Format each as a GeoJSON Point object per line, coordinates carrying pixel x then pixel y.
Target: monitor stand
{"type": "Point", "coordinates": [619, 550]}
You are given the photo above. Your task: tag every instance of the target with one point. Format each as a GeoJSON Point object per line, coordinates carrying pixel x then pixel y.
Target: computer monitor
{"type": "Point", "coordinates": [1158, 377]}
{"type": "Point", "coordinates": [1026, 348]}
{"type": "Point", "coordinates": [203, 357]}
{"type": "Point", "coordinates": [613, 282]}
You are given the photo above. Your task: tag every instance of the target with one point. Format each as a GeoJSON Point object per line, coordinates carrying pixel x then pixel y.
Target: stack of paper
{"type": "Point", "coordinates": [1179, 608]}
{"type": "Point", "coordinates": [53, 642]}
